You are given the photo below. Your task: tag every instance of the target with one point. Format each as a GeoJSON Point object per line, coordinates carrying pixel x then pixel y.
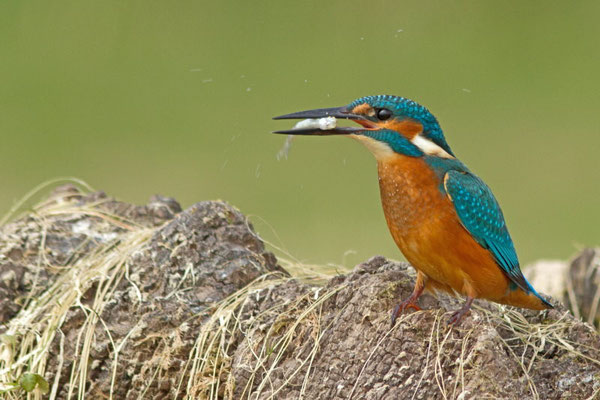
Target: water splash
{"type": "Point", "coordinates": [285, 149]}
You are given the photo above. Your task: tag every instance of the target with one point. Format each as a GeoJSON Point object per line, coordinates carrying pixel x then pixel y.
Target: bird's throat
{"type": "Point", "coordinates": [409, 192]}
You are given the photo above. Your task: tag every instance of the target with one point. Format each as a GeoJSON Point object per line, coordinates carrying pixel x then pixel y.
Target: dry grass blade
{"type": "Point", "coordinates": [209, 362]}
{"type": "Point", "coordinates": [40, 189]}
{"type": "Point", "coordinates": [435, 327]}
{"type": "Point", "coordinates": [266, 329]}
{"type": "Point", "coordinates": [41, 318]}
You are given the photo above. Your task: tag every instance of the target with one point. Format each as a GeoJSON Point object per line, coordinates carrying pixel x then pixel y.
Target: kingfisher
{"type": "Point", "coordinates": [443, 217]}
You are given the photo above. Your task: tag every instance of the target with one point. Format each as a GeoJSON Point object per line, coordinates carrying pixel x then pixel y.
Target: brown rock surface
{"type": "Point", "coordinates": [105, 299]}
{"type": "Point", "coordinates": [583, 286]}
{"type": "Point", "coordinates": [576, 283]}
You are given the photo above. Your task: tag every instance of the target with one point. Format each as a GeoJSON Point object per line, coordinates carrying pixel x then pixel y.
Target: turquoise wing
{"type": "Point", "coordinates": [480, 214]}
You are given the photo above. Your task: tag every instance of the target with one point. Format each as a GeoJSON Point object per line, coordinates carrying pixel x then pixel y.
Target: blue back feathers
{"type": "Point", "coordinates": [474, 202]}
{"type": "Point", "coordinates": [406, 108]}
{"type": "Point", "coordinates": [482, 217]}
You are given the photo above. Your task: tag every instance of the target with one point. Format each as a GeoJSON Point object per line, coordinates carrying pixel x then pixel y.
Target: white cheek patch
{"type": "Point", "coordinates": [429, 148]}
{"type": "Point", "coordinates": [379, 149]}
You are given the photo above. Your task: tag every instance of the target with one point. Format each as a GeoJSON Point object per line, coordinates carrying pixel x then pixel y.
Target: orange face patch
{"type": "Point", "coordinates": [409, 128]}
{"type": "Point", "coordinates": [364, 109]}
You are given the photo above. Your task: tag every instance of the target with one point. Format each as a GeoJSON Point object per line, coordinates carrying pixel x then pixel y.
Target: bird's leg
{"type": "Point", "coordinates": [411, 301]}
{"type": "Point", "coordinates": [458, 315]}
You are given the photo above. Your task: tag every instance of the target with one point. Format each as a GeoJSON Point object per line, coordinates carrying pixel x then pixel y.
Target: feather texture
{"type": "Point", "coordinates": [480, 214]}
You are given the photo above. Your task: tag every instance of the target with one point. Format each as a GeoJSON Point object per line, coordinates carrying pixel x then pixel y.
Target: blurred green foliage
{"type": "Point", "coordinates": [140, 97]}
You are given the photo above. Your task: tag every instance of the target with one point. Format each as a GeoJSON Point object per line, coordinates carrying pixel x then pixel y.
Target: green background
{"type": "Point", "coordinates": [176, 97]}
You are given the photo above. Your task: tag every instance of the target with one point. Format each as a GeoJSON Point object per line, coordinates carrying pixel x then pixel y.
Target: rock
{"type": "Point", "coordinates": [34, 249]}
{"type": "Point", "coordinates": [575, 283]}
{"type": "Point", "coordinates": [548, 276]}
{"type": "Point", "coordinates": [102, 299]}
{"type": "Point", "coordinates": [583, 286]}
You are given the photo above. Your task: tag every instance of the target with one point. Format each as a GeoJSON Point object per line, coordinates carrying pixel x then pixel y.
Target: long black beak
{"type": "Point", "coordinates": [336, 112]}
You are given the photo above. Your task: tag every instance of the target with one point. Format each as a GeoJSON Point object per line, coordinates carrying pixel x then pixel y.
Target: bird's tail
{"type": "Point", "coordinates": [521, 298]}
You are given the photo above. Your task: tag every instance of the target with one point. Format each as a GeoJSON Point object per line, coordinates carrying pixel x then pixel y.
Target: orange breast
{"type": "Point", "coordinates": [424, 225]}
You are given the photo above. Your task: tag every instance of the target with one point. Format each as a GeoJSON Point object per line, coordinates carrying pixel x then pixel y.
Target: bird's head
{"type": "Point", "coordinates": [389, 125]}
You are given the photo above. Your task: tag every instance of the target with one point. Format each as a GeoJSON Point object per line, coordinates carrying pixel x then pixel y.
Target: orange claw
{"type": "Point", "coordinates": [413, 306]}
{"type": "Point", "coordinates": [458, 315]}
{"type": "Point", "coordinates": [411, 301]}
{"type": "Point", "coordinates": [406, 304]}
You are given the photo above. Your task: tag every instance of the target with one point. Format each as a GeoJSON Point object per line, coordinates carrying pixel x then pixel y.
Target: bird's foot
{"type": "Point", "coordinates": [406, 304]}
{"type": "Point", "coordinates": [457, 316]}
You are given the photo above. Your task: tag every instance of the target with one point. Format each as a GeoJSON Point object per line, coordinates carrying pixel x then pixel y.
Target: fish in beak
{"type": "Point", "coordinates": [323, 121]}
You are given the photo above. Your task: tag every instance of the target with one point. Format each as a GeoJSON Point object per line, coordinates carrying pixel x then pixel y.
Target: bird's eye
{"type": "Point", "coordinates": [383, 114]}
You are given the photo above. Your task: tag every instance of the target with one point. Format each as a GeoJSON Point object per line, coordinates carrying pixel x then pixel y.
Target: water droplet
{"type": "Point", "coordinates": [285, 149]}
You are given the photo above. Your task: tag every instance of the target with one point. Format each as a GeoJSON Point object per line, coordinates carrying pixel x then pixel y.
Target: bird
{"type": "Point", "coordinates": [444, 219]}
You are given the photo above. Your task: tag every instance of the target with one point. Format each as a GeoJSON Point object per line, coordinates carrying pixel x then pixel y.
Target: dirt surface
{"type": "Point", "coordinates": [188, 304]}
